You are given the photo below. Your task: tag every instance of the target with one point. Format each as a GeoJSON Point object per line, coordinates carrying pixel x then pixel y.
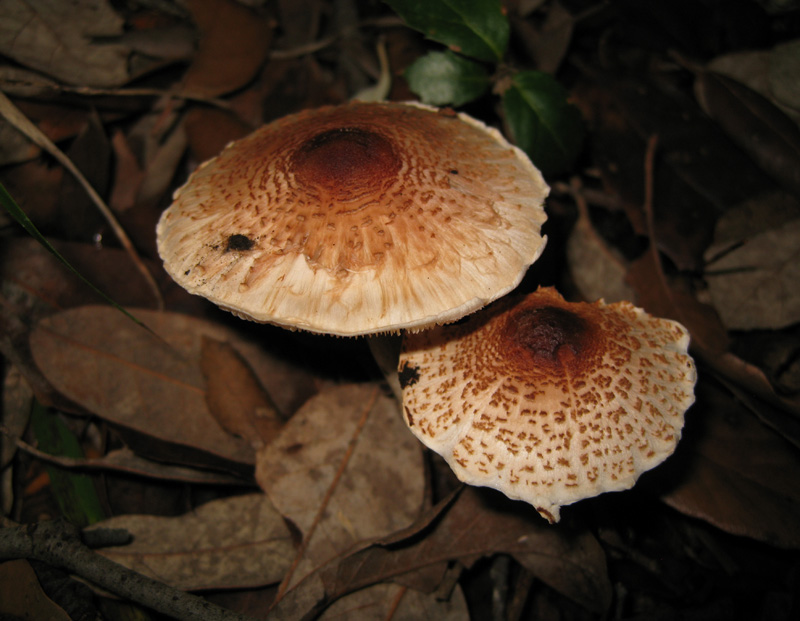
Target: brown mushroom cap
{"type": "Point", "coordinates": [357, 219]}
{"type": "Point", "coordinates": [547, 401]}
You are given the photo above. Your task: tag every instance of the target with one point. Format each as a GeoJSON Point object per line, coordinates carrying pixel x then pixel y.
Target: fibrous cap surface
{"type": "Point", "coordinates": [357, 219]}
{"type": "Point", "coordinates": [548, 401]}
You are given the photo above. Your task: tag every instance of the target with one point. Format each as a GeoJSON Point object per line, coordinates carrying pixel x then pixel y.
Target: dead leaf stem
{"type": "Point", "coordinates": [15, 116]}
{"type": "Point", "coordinates": [649, 185]}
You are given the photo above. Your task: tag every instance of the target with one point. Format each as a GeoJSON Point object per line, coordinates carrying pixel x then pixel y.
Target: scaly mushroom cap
{"type": "Point", "coordinates": [357, 219]}
{"type": "Point", "coordinates": [547, 401]}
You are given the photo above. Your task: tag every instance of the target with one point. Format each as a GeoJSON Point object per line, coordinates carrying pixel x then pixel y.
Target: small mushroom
{"type": "Point", "coordinates": [357, 219]}
{"type": "Point", "coordinates": [548, 401]}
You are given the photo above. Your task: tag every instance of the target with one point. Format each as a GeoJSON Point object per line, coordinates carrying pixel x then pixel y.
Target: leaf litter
{"type": "Point", "coordinates": [377, 535]}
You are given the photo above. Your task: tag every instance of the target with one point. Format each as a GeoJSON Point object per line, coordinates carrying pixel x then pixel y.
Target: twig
{"type": "Point", "coordinates": [59, 544]}
{"type": "Point", "coordinates": [14, 116]}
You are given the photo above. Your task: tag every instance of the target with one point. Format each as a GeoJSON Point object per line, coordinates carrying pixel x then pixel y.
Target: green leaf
{"type": "Point", "coordinates": [542, 122]}
{"type": "Point", "coordinates": [75, 493]}
{"type": "Point", "coordinates": [444, 78]}
{"type": "Point", "coordinates": [476, 28]}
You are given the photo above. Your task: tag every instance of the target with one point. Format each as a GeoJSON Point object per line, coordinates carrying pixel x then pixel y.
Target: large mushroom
{"type": "Point", "coordinates": [357, 219]}
{"type": "Point", "coordinates": [548, 401]}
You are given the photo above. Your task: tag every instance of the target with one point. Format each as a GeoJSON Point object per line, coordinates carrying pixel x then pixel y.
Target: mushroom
{"type": "Point", "coordinates": [548, 401]}
{"type": "Point", "coordinates": [357, 219]}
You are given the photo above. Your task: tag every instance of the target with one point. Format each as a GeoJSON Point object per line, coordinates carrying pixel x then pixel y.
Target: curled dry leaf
{"type": "Point", "coordinates": [754, 286]}
{"type": "Point", "coordinates": [58, 38]}
{"type": "Point", "coordinates": [736, 473]}
{"type": "Point", "coordinates": [237, 542]}
{"type": "Point", "coordinates": [482, 523]}
{"type": "Point", "coordinates": [391, 601]}
{"type": "Point", "coordinates": [152, 390]}
{"type": "Point", "coordinates": [234, 42]}
{"type": "Point", "coordinates": [234, 395]}
{"type": "Point", "coordinates": [22, 596]}
{"type": "Point", "coordinates": [672, 299]}
{"type": "Point", "coordinates": [344, 469]}
{"type": "Point", "coordinates": [759, 127]}
{"type": "Point", "coordinates": [598, 271]}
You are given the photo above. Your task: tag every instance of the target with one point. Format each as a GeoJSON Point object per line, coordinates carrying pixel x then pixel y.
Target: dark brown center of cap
{"type": "Point", "coordinates": [346, 161]}
{"type": "Point", "coordinates": [548, 334]}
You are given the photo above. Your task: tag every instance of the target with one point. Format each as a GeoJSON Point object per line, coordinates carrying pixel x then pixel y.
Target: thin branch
{"type": "Point", "coordinates": [59, 544]}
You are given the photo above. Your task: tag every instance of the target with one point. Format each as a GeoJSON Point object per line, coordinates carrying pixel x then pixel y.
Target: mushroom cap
{"type": "Point", "coordinates": [548, 401]}
{"type": "Point", "coordinates": [357, 219]}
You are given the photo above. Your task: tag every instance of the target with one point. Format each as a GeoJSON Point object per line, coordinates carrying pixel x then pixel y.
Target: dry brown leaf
{"type": "Point", "coordinates": [57, 38]}
{"type": "Point", "coordinates": [479, 523]}
{"type": "Point", "coordinates": [128, 174]}
{"type": "Point", "coordinates": [736, 473]}
{"type": "Point", "coordinates": [759, 127]}
{"type": "Point", "coordinates": [22, 597]}
{"type": "Point", "coordinates": [39, 283]}
{"type": "Point", "coordinates": [152, 389]}
{"type": "Point", "coordinates": [237, 542]}
{"type": "Point", "coordinates": [755, 286]}
{"type": "Point", "coordinates": [784, 76]}
{"type": "Point", "coordinates": [670, 300]}
{"type": "Point", "coordinates": [234, 41]}
{"type": "Point", "coordinates": [208, 130]}
{"type": "Point", "coordinates": [754, 68]}
{"type": "Point", "coordinates": [234, 395]}
{"type": "Point", "coordinates": [598, 271]}
{"type": "Point", "coordinates": [344, 469]}
{"type": "Point", "coordinates": [391, 601]}
{"type": "Point", "coordinates": [14, 145]}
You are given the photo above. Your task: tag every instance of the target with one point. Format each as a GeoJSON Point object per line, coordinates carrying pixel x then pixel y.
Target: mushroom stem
{"type": "Point", "coordinates": [385, 349]}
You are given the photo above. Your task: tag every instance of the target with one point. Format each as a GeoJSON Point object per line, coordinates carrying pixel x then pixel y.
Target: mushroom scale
{"type": "Point", "coordinates": [357, 219]}
{"type": "Point", "coordinates": [548, 401]}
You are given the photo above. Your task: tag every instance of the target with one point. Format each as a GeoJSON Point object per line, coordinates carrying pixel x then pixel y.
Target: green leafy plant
{"type": "Point", "coordinates": [538, 115]}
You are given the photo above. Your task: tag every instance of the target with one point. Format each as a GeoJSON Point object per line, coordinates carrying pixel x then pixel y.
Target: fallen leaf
{"type": "Point", "coordinates": [90, 151]}
{"type": "Point", "coordinates": [751, 217]}
{"type": "Point", "coordinates": [234, 395]}
{"type": "Point", "coordinates": [234, 42]}
{"type": "Point", "coordinates": [754, 69]}
{"type": "Point", "coordinates": [674, 301]}
{"type": "Point", "coordinates": [40, 284]}
{"type": "Point", "coordinates": [754, 286]}
{"type": "Point", "coordinates": [547, 44]}
{"type": "Point", "coordinates": [128, 174]}
{"type": "Point", "coordinates": [391, 601]}
{"type": "Point", "coordinates": [22, 597]}
{"type": "Point", "coordinates": [15, 405]}
{"type": "Point", "coordinates": [344, 469]}
{"type": "Point", "coordinates": [784, 75]}
{"type": "Point", "coordinates": [482, 523]}
{"type": "Point", "coordinates": [126, 461]}
{"type": "Point", "coordinates": [14, 145]}
{"type": "Point", "coordinates": [208, 130]}
{"type": "Point", "coordinates": [238, 542]}
{"type": "Point", "coordinates": [736, 473]}
{"type": "Point", "coordinates": [597, 269]}
{"type": "Point", "coordinates": [692, 186]}
{"type": "Point", "coordinates": [152, 390]}
{"type": "Point", "coordinates": [58, 39]}
{"type": "Point", "coordinates": [759, 127]}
